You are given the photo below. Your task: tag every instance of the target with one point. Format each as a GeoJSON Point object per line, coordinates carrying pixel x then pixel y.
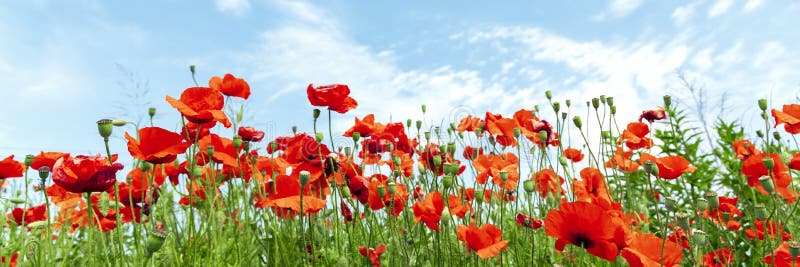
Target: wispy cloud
{"type": "Point", "coordinates": [236, 7]}
{"type": "Point", "coordinates": [618, 9]}
{"type": "Point", "coordinates": [719, 8]}
{"type": "Point", "coordinates": [683, 14]}
{"type": "Point", "coordinates": [753, 5]}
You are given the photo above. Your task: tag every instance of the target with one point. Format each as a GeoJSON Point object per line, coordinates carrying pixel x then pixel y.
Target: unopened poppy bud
{"type": "Point", "coordinates": [294, 129]}
{"type": "Point", "coordinates": [568, 102]}
{"type": "Point", "coordinates": [762, 104]}
{"type": "Point", "coordinates": [316, 113]}
{"type": "Point", "coordinates": [391, 187]}
{"type": "Point", "coordinates": [683, 220]}
{"type": "Point", "coordinates": [119, 122]}
{"type": "Point", "coordinates": [650, 168]}
{"type": "Point", "coordinates": [154, 242]}
{"type": "Point", "coordinates": [605, 134]}
{"type": "Point", "coordinates": [543, 137]}
{"type": "Point", "coordinates": [437, 161]}
{"type": "Point", "coordinates": [16, 200]}
{"type": "Point", "coordinates": [603, 99]}
{"type": "Point", "coordinates": [701, 204]}
{"type": "Point", "coordinates": [44, 172]}
{"type": "Point", "coordinates": [151, 112]}
{"type": "Point", "coordinates": [595, 103]}
{"type": "Point", "coordinates": [105, 127]}
{"type": "Point", "coordinates": [348, 151]}
{"type": "Point", "coordinates": [667, 101]}
{"type": "Point", "coordinates": [713, 201]}
{"type": "Point", "coordinates": [766, 183]}
{"type": "Point", "coordinates": [769, 163]}
{"type": "Point", "coordinates": [419, 124]}
{"type": "Point", "coordinates": [210, 151]}
{"type": "Point", "coordinates": [345, 191]}
{"type": "Point", "coordinates": [563, 115]}
{"type": "Point", "coordinates": [516, 132]}
{"type": "Point", "coordinates": [671, 203]}
{"type": "Point", "coordinates": [102, 205]}
{"type": "Point", "coordinates": [764, 115]}
{"type": "Point", "coordinates": [479, 194]}
{"type": "Point", "coordinates": [548, 94]}
{"type": "Point", "coordinates": [445, 215]}
{"type": "Point", "coordinates": [408, 123]}
{"type": "Point", "coordinates": [700, 238]}
{"type": "Point", "coordinates": [613, 110]}
{"type": "Point", "coordinates": [760, 134]}
{"type": "Point", "coordinates": [424, 108]}
{"type": "Point", "coordinates": [562, 160]}
{"type": "Point", "coordinates": [761, 211]}
{"type": "Point", "coordinates": [610, 101]}
{"type": "Point", "coordinates": [381, 191]}
{"type": "Point", "coordinates": [726, 216]}
{"type": "Point", "coordinates": [420, 168]}
{"type": "Point", "coordinates": [794, 249]}
{"type": "Point", "coordinates": [447, 181]}
{"type": "Point", "coordinates": [237, 142]}
{"type": "Point", "coordinates": [503, 175]}
{"type": "Point", "coordinates": [38, 225]}
{"type": "Point", "coordinates": [192, 69]}
{"type": "Point", "coordinates": [197, 171]}
{"type": "Point", "coordinates": [29, 160]}
{"type": "Point", "coordinates": [389, 147]}
{"type": "Point", "coordinates": [478, 132]}
{"type": "Point", "coordinates": [356, 136]}
{"type": "Point", "coordinates": [273, 146]}
{"type": "Point", "coordinates": [451, 169]}
{"type": "Point", "coordinates": [529, 186]}
{"type": "Point", "coordinates": [777, 135]}
{"type": "Point", "coordinates": [577, 121]}
{"type": "Point", "coordinates": [304, 177]}
{"type": "Point", "coordinates": [397, 173]}
{"type": "Point", "coordinates": [535, 109]}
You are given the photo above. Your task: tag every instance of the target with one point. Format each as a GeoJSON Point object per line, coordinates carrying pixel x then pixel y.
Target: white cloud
{"type": "Point", "coordinates": [618, 9]}
{"type": "Point", "coordinates": [752, 5]}
{"type": "Point", "coordinates": [770, 52]}
{"type": "Point", "coordinates": [236, 7]}
{"type": "Point", "coordinates": [702, 59]}
{"type": "Point", "coordinates": [683, 14]}
{"type": "Point", "coordinates": [719, 8]}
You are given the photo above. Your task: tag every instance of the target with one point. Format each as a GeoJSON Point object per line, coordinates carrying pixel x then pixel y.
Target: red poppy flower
{"type": "Point", "coordinates": [492, 166]}
{"type": "Point", "coordinates": [769, 229]}
{"type": "Point", "coordinates": [374, 254]}
{"type": "Point", "coordinates": [470, 153]}
{"type": "Point", "coordinates": [365, 127]}
{"type": "Point", "coordinates": [192, 131]}
{"type": "Point", "coordinates": [528, 221]}
{"type": "Point", "coordinates": [32, 214]}
{"type": "Point", "coordinates": [469, 123]}
{"type": "Point", "coordinates": [753, 167]}
{"type": "Point", "coordinates": [250, 134]}
{"type": "Point", "coordinates": [501, 128]}
{"type": "Point", "coordinates": [230, 86]}
{"type": "Point", "coordinates": [647, 250]}
{"type": "Point", "coordinates": [669, 167]}
{"type": "Point", "coordinates": [679, 237]}
{"type": "Point", "coordinates": [285, 198]}
{"type": "Point", "coordinates": [84, 174]}
{"type": "Point", "coordinates": [782, 257]}
{"type": "Point", "coordinates": [655, 114]}
{"type": "Point", "coordinates": [635, 136]}
{"type": "Point", "coordinates": [10, 168]}
{"type": "Point", "coordinates": [718, 258]}
{"type": "Point", "coordinates": [156, 145]}
{"type": "Point", "coordinates": [744, 149]}
{"type": "Point", "coordinates": [12, 261]}
{"type": "Point", "coordinates": [486, 240]}
{"type": "Point", "coordinates": [622, 161]}
{"type": "Point", "coordinates": [429, 211]}
{"type": "Point", "coordinates": [592, 187]}
{"type": "Point", "coordinates": [573, 154]}
{"type": "Point", "coordinates": [547, 182]}
{"type": "Point", "coordinates": [224, 151]}
{"type": "Point", "coordinates": [201, 105]}
{"type": "Point", "coordinates": [457, 206]}
{"type": "Point", "coordinates": [789, 116]}
{"type": "Point", "coordinates": [335, 96]}
{"type": "Point", "coordinates": [726, 205]}
{"type": "Point", "coordinates": [585, 225]}
{"type": "Point", "coordinates": [395, 203]}
{"type": "Point", "coordinates": [46, 159]}
{"type": "Point", "coordinates": [137, 190]}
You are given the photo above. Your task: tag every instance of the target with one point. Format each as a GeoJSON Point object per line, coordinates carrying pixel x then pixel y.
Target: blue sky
{"type": "Point", "coordinates": [66, 64]}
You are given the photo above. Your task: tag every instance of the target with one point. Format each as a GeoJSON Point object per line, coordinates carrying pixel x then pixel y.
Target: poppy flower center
{"type": "Point", "coordinates": [583, 241]}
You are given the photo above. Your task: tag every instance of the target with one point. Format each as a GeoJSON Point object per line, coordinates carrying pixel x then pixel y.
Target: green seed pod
{"type": "Point", "coordinates": [613, 110]}
{"type": "Point", "coordinates": [548, 94]}
{"type": "Point", "coordinates": [29, 160]}
{"type": "Point", "coordinates": [776, 135]}
{"type": "Point", "coordinates": [700, 239]}
{"type": "Point", "coordinates": [408, 123]}
{"type": "Point", "coordinates": [437, 161]}
{"type": "Point", "coordinates": [304, 177]}
{"type": "Point", "coordinates": [563, 115]}
{"type": "Point", "coordinates": [102, 205]}
{"type": "Point", "coordinates": [424, 108]}
{"type": "Point", "coordinates": [713, 201]}
{"type": "Point", "coordinates": [396, 160]}
{"type": "Point", "coordinates": [447, 181]}
{"type": "Point", "coordinates": [516, 132]}
{"type": "Point", "coordinates": [701, 204]}
{"type": "Point", "coordinates": [595, 103]}
{"type": "Point", "coordinates": [391, 187]}
{"type": "Point", "coordinates": [577, 121]}
{"type": "Point", "coordinates": [151, 112]}
{"type": "Point", "coordinates": [683, 220]}
{"type": "Point", "coordinates": [610, 101]}
{"type": "Point", "coordinates": [356, 137]}
{"type": "Point", "coordinates": [155, 240]}
{"type": "Point", "coordinates": [237, 142]}
{"type": "Point", "coordinates": [769, 163]}
{"type": "Point", "coordinates": [766, 183]}
{"type": "Point", "coordinates": [650, 168]}
{"type": "Point", "coordinates": [44, 172]}
{"type": "Point", "coordinates": [315, 113]}
{"type": "Point", "coordinates": [504, 175]}
{"type": "Point", "coordinates": [273, 146]}
{"type": "Point", "coordinates": [479, 195]}
{"type": "Point", "coordinates": [419, 124]}
{"type": "Point", "coordinates": [105, 128]}
{"type": "Point", "coordinates": [543, 137]}
{"type": "Point", "coordinates": [761, 211]}
{"type": "Point", "coordinates": [529, 186]}
{"type": "Point", "coordinates": [794, 249]}
{"type": "Point", "coordinates": [197, 171]}
{"type": "Point", "coordinates": [556, 107]}
{"type": "Point", "coordinates": [667, 101]}
{"type": "Point", "coordinates": [381, 191]}
{"type": "Point", "coordinates": [294, 129]}
{"type": "Point", "coordinates": [568, 102]}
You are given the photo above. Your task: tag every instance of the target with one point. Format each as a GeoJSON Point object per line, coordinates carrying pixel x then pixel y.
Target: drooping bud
{"type": "Point", "coordinates": [529, 186]}
{"type": "Point", "coordinates": [104, 127]}
{"type": "Point", "coordinates": [760, 134]}
{"type": "Point", "coordinates": [762, 104]}
{"type": "Point", "coordinates": [119, 122]}
{"type": "Point", "coordinates": [304, 177]}
{"type": "Point", "coordinates": [192, 69]}
{"type": "Point", "coordinates": [766, 183]}
{"type": "Point", "coordinates": [345, 191]}
{"type": "Point", "coordinates": [577, 121]}
{"type": "Point", "coordinates": [548, 94]}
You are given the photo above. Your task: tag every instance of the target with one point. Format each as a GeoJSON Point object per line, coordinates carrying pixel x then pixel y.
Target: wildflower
{"type": "Point", "coordinates": [486, 240]}
{"type": "Point", "coordinates": [635, 136]}
{"type": "Point", "coordinates": [429, 211]}
{"type": "Point", "coordinates": [650, 250]}
{"type": "Point", "coordinates": [573, 154]}
{"type": "Point", "coordinates": [585, 225]}
{"type": "Point", "coordinates": [250, 134]}
{"type": "Point", "coordinates": [655, 114]}
{"type": "Point", "coordinates": [156, 145]}
{"type": "Point", "coordinates": [374, 254]}
{"type": "Point", "coordinates": [230, 86]}
{"type": "Point", "coordinates": [669, 167]}
{"type": "Point", "coordinates": [335, 96]}
{"type": "Point", "coordinates": [719, 258]}
{"type": "Point", "coordinates": [10, 168]}
{"type": "Point", "coordinates": [789, 116]}
{"type": "Point", "coordinates": [201, 105]}
{"type": "Point", "coordinates": [83, 174]}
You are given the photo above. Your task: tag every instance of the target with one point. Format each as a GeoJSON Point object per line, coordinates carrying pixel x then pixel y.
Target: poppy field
{"type": "Point", "coordinates": [563, 183]}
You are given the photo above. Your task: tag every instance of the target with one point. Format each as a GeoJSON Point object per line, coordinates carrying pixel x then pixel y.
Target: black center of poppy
{"type": "Point", "coordinates": [583, 241]}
